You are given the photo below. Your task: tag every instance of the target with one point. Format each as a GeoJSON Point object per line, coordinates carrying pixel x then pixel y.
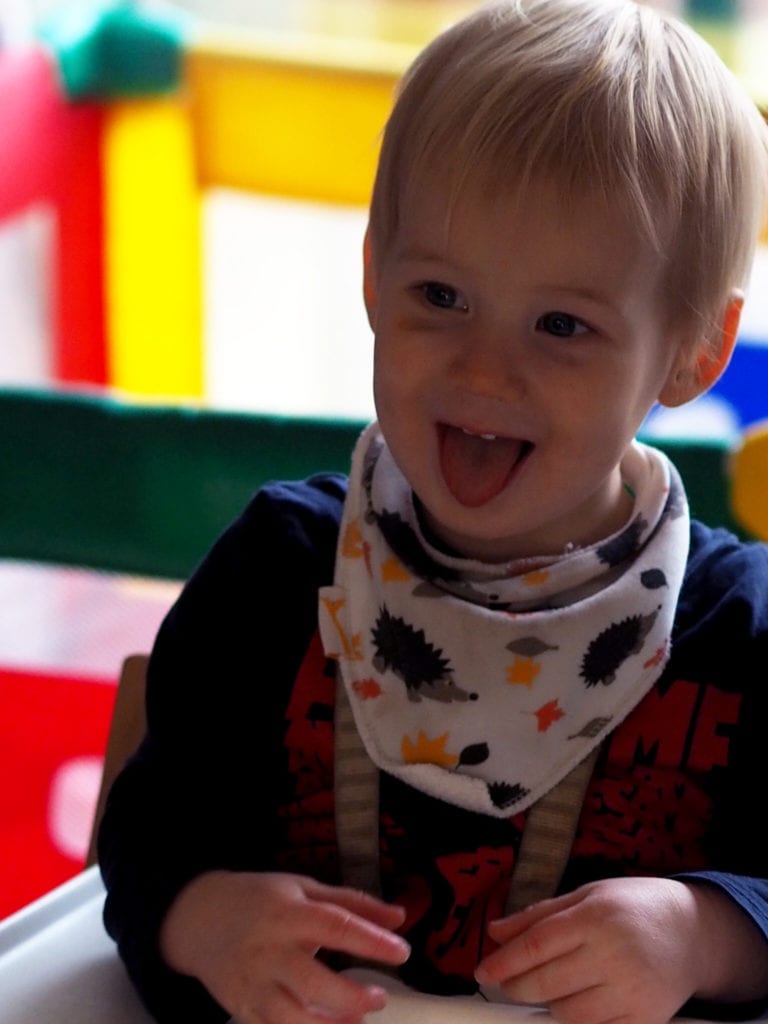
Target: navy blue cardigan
{"type": "Point", "coordinates": [236, 768]}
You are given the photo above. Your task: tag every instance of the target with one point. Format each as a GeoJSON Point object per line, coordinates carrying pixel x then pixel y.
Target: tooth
{"type": "Point", "coordinates": [484, 437]}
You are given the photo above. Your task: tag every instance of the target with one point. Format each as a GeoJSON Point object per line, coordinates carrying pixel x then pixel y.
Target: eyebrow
{"type": "Point", "coordinates": [418, 255]}
{"type": "Point", "coordinates": [590, 295]}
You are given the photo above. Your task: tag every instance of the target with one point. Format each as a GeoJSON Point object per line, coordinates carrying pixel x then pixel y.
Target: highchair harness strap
{"type": "Point", "coordinates": [549, 832]}
{"type": "Point", "coordinates": [356, 797]}
{"type": "Point", "coordinates": [550, 828]}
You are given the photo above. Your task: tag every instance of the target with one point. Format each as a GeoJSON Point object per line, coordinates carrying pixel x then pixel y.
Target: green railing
{"type": "Point", "coordinates": [95, 482]}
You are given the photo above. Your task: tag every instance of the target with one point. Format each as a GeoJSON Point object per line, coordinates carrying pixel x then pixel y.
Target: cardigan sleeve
{"type": "Point", "coordinates": [202, 791]}
{"type": "Point", "coordinates": [751, 895]}
{"type": "Point", "coordinates": [725, 620]}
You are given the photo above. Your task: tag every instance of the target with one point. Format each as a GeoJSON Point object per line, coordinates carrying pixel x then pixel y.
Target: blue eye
{"type": "Point", "coordinates": [443, 296]}
{"type": "Point", "coordinates": [561, 325]}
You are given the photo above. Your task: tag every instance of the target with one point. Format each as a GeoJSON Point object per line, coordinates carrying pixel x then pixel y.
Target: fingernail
{"type": "Point", "coordinates": [378, 996]}
{"type": "Point", "coordinates": [401, 948]}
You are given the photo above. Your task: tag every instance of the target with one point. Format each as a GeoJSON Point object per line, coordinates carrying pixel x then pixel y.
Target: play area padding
{"type": "Point", "coordinates": [98, 482]}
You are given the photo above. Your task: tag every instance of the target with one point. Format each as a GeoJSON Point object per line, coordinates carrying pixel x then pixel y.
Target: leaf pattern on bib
{"type": "Point", "coordinates": [427, 751]}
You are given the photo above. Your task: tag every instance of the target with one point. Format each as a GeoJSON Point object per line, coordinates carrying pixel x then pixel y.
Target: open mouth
{"type": "Point", "coordinates": [478, 466]}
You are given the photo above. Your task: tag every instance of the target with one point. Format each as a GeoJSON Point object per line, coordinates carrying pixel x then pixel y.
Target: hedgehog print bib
{"type": "Point", "coordinates": [484, 684]}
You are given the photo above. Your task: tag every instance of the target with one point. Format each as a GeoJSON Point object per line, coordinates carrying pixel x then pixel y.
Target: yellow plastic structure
{"type": "Point", "coordinates": [300, 119]}
{"type": "Point", "coordinates": [749, 480]}
{"type": "Point", "coordinates": [152, 208]}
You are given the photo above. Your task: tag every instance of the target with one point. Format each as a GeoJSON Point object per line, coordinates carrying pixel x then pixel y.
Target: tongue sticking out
{"type": "Point", "coordinates": [476, 469]}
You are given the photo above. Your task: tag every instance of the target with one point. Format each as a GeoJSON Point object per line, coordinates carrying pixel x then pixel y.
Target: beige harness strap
{"type": "Point", "coordinates": [356, 785]}
{"type": "Point", "coordinates": [550, 826]}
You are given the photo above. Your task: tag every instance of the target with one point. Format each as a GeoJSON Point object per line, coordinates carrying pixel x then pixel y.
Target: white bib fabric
{"type": "Point", "coordinates": [484, 685]}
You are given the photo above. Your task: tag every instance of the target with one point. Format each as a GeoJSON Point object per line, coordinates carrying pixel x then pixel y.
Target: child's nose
{"type": "Point", "coordinates": [490, 362]}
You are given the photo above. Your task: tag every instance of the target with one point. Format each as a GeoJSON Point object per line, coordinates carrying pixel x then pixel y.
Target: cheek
{"type": "Point", "coordinates": [628, 391]}
{"type": "Point", "coordinates": [594, 423]}
{"type": "Point", "coordinates": [398, 365]}
{"type": "Point", "coordinates": [383, 361]}
{"type": "Point", "coordinates": [387, 383]}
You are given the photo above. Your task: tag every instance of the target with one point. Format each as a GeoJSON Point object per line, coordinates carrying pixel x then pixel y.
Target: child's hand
{"type": "Point", "coordinates": [627, 949]}
{"type": "Point", "coordinates": [251, 939]}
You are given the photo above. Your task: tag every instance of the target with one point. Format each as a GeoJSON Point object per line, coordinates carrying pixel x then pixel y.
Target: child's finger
{"type": "Point", "coordinates": [334, 927]}
{"type": "Point", "coordinates": [388, 915]}
{"type": "Point", "coordinates": [281, 1006]}
{"type": "Point", "coordinates": [555, 979]}
{"type": "Point", "coordinates": [541, 942]}
{"type": "Point", "coordinates": [315, 985]}
{"type": "Point", "coordinates": [505, 928]}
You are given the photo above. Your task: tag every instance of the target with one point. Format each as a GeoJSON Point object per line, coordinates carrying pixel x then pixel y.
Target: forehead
{"type": "Point", "coordinates": [572, 231]}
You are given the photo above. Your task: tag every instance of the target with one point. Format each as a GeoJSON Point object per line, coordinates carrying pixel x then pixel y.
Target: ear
{"type": "Point", "coordinates": [369, 287]}
{"type": "Point", "coordinates": [700, 365]}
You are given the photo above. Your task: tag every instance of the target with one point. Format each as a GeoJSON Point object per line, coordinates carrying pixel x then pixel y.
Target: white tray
{"type": "Point", "coordinates": [59, 966]}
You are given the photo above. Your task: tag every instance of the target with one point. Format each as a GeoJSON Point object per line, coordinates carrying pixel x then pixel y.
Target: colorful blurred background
{"type": "Point", "coordinates": [182, 207]}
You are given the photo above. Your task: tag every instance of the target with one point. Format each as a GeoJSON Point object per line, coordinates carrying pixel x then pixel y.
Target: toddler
{"type": "Point", "coordinates": [491, 711]}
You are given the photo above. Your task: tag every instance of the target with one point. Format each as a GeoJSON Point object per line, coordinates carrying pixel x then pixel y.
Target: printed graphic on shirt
{"type": "Point", "coordinates": [310, 826]}
{"type": "Point", "coordinates": [450, 892]}
{"type": "Point", "coordinates": [647, 810]}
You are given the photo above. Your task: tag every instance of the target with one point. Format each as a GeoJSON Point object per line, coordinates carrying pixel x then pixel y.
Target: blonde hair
{"type": "Point", "coordinates": [606, 99]}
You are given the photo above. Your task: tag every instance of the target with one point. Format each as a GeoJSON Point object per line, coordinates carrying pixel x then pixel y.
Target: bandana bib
{"type": "Point", "coordinates": [484, 685]}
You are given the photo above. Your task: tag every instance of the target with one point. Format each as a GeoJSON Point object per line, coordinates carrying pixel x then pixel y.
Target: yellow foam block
{"type": "Point", "coordinates": [742, 45]}
{"type": "Point", "coordinates": [750, 66]}
{"type": "Point", "coordinates": [295, 119]}
{"type": "Point", "coordinates": [405, 21]}
{"type": "Point", "coordinates": [749, 481]}
{"type": "Point", "coordinates": [724, 36]}
{"type": "Point", "coordinates": [153, 250]}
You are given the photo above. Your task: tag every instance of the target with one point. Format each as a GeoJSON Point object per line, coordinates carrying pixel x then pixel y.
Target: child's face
{"type": "Point", "coordinates": [517, 353]}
